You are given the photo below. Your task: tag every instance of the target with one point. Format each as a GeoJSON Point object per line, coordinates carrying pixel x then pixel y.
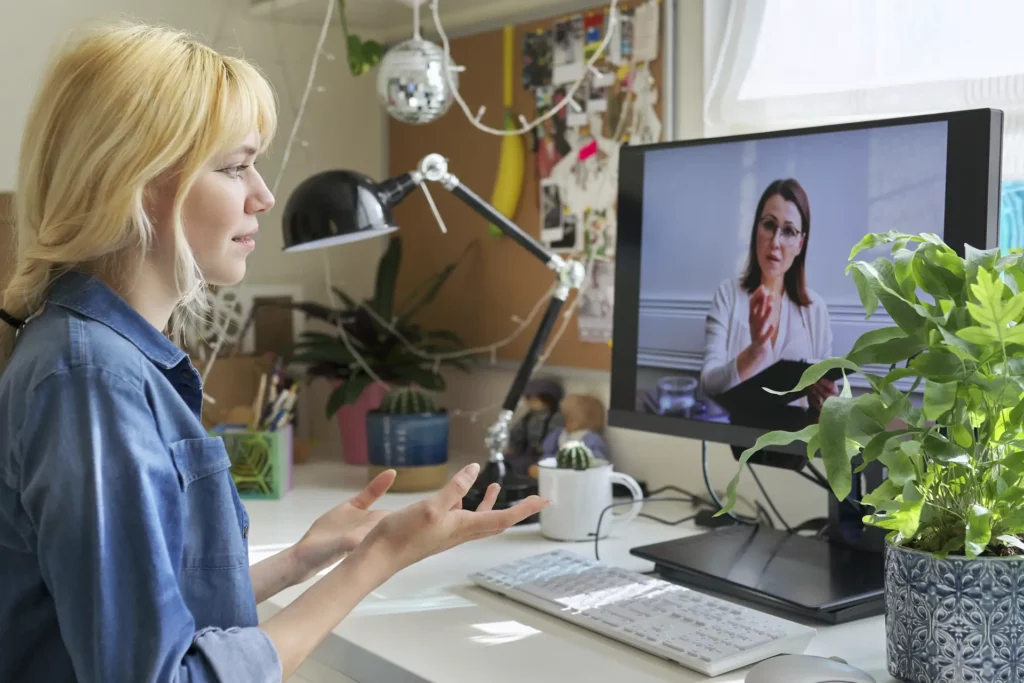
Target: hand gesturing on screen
{"type": "Point", "coordinates": [762, 312]}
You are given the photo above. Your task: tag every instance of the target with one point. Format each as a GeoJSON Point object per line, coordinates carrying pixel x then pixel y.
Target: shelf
{"type": "Point", "coordinates": [390, 20]}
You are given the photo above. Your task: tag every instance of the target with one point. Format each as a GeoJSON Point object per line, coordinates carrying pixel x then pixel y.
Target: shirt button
{"type": "Point", "coordinates": [245, 531]}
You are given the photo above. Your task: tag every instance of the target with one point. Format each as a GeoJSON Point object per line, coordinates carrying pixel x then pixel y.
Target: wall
{"type": "Point", "coordinates": [343, 124]}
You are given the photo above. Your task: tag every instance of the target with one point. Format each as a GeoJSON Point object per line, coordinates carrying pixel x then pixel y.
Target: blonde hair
{"type": "Point", "coordinates": [124, 106]}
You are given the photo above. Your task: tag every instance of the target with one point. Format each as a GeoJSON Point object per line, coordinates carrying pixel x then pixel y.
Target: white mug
{"type": "Point", "coordinates": [577, 499]}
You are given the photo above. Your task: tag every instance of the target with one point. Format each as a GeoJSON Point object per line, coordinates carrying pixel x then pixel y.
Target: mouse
{"type": "Point", "coordinates": [805, 669]}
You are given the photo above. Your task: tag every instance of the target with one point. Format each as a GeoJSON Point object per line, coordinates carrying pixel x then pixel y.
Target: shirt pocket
{"type": "Point", "coordinates": [214, 525]}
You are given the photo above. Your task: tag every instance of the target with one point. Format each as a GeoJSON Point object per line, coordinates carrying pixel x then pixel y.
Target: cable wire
{"type": "Point", "coordinates": [768, 500]}
{"type": "Point", "coordinates": [607, 508]}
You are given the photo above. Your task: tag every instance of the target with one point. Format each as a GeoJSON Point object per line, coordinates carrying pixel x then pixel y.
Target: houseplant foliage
{"type": "Point", "coordinates": [327, 355]}
{"type": "Point", "coordinates": [362, 55]}
{"type": "Point", "coordinates": [955, 464]}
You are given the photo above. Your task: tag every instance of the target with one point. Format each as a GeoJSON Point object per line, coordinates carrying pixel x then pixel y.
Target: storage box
{"type": "Point", "coordinates": [261, 462]}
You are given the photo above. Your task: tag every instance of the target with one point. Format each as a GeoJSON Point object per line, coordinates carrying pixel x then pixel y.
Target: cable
{"type": "Point", "coordinates": [305, 95]}
{"type": "Point", "coordinates": [768, 500]}
{"type": "Point", "coordinates": [600, 518]}
{"type": "Point", "coordinates": [822, 480]}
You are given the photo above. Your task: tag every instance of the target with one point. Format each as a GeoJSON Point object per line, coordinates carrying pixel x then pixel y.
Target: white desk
{"type": "Point", "coordinates": [429, 624]}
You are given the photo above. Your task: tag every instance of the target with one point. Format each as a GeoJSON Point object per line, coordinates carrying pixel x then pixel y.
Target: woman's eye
{"type": "Point", "coordinates": [236, 171]}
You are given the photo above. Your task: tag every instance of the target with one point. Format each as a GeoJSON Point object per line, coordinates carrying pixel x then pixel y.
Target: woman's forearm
{"type": "Point", "coordinates": [272, 575]}
{"type": "Point", "coordinates": [749, 362]}
{"type": "Point", "coordinates": [300, 627]}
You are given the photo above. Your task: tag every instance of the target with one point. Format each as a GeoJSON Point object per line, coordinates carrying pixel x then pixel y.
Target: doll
{"type": "Point", "coordinates": [583, 420]}
{"type": "Point", "coordinates": [527, 436]}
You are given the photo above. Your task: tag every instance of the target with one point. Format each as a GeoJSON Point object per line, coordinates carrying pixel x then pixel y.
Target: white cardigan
{"type": "Point", "coordinates": [805, 334]}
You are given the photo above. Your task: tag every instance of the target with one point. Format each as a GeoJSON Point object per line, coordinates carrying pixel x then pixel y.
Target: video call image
{"type": "Point", "coordinates": [743, 280]}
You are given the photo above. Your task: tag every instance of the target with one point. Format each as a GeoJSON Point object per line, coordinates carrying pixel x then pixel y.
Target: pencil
{"type": "Point", "coordinates": [257, 405]}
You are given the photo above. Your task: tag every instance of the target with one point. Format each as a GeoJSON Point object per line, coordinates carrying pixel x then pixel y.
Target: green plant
{"type": "Point", "coordinates": [955, 463]}
{"type": "Point", "coordinates": [407, 401]}
{"type": "Point", "coordinates": [327, 355]}
{"type": "Point", "coordinates": [362, 55]}
{"type": "Point", "coordinates": [574, 455]}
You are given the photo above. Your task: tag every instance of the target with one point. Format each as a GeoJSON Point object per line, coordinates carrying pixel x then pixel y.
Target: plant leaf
{"type": "Point", "coordinates": [939, 365]}
{"type": "Point", "coordinates": [885, 345]}
{"type": "Point", "coordinates": [1011, 541]}
{"type": "Point", "coordinates": [816, 372]}
{"type": "Point", "coordinates": [939, 398]}
{"type": "Point", "coordinates": [387, 276]}
{"type": "Point", "coordinates": [833, 443]}
{"type": "Point", "coordinates": [978, 532]}
{"type": "Point", "coordinates": [776, 438]}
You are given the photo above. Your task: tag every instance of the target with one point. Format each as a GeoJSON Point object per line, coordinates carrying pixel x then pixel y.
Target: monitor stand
{"type": "Point", "coordinates": [832, 581]}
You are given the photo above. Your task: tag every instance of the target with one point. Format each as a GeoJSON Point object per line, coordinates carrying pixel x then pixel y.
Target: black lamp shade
{"type": "Point", "coordinates": [336, 207]}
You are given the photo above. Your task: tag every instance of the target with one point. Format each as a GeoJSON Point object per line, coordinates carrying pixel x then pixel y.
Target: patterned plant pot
{"type": "Point", "coordinates": [953, 620]}
{"type": "Point", "coordinates": [415, 446]}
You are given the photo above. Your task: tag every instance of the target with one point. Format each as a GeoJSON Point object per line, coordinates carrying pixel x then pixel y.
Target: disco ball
{"type": "Point", "coordinates": [411, 82]}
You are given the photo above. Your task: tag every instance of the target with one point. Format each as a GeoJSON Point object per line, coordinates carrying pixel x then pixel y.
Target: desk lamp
{"type": "Point", "coordinates": [338, 207]}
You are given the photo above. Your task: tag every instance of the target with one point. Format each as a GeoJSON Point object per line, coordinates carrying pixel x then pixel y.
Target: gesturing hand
{"type": "Point", "coordinates": [762, 308]}
{"type": "Point", "coordinates": [342, 528]}
{"type": "Point", "coordinates": [819, 392]}
{"type": "Point", "coordinates": [438, 523]}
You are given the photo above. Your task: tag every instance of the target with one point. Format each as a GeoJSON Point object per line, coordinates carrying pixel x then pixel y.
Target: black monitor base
{"type": "Point", "coordinates": [795, 575]}
{"type": "Point", "coordinates": [514, 488]}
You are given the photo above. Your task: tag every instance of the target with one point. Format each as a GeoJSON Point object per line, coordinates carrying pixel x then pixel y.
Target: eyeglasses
{"type": "Point", "coordinates": [788, 234]}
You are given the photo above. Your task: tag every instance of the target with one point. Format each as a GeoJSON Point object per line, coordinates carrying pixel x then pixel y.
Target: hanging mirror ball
{"type": "Point", "coordinates": [411, 82]}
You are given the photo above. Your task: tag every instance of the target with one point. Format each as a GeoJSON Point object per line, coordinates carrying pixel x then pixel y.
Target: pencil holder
{"type": "Point", "coordinates": [261, 462]}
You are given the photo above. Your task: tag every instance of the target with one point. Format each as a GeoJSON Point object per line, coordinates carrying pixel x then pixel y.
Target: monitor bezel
{"type": "Point", "coordinates": [973, 166]}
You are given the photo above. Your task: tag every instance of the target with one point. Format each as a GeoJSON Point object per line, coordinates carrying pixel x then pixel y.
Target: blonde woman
{"type": "Point", "coordinates": [123, 551]}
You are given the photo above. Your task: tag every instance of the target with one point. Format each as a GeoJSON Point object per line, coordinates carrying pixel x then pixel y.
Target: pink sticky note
{"type": "Point", "coordinates": [588, 150]}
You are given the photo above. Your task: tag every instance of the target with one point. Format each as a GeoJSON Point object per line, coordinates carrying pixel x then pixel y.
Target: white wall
{"type": "Point", "coordinates": [343, 124]}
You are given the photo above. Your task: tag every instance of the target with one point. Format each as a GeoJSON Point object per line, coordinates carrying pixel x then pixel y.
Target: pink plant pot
{"type": "Point", "coordinates": [352, 424]}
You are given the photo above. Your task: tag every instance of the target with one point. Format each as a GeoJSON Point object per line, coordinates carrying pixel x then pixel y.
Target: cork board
{"type": "Point", "coordinates": [498, 282]}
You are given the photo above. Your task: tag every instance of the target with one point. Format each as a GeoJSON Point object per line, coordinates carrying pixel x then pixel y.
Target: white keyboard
{"type": "Point", "coordinates": [706, 634]}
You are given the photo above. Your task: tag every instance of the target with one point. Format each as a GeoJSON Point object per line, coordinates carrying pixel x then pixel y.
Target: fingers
{"type": "Point", "coordinates": [490, 496]}
{"type": "Point", "coordinates": [458, 487]}
{"type": "Point", "coordinates": [374, 490]}
{"type": "Point", "coordinates": [490, 522]}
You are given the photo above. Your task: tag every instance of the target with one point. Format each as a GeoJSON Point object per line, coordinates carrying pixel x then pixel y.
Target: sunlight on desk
{"type": "Point", "coordinates": [502, 632]}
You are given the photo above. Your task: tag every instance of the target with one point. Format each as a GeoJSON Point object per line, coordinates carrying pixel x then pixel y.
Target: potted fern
{"type": "Point", "coordinates": [376, 333]}
{"type": "Point", "coordinates": [952, 499]}
{"type": "Point", "coordinates": [409, 434]}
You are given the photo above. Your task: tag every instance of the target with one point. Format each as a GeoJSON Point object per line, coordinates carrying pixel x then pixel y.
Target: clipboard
{"type": "Point", "coordinates": [783, 375]}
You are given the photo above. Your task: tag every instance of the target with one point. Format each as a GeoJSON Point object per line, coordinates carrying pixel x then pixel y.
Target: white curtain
{"type": "Point", "coordinates": [782, 63]}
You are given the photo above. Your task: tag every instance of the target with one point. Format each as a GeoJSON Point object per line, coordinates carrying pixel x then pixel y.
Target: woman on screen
{"type": "Point", "coordinates": [769, 314]}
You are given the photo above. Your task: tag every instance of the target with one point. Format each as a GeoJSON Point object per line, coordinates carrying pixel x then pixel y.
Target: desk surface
{"type": "Point", "coordinates": [428, 623]}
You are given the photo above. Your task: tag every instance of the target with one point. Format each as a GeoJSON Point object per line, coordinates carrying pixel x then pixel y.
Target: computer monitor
{"type": "Point", "coordinates": [709, 228]}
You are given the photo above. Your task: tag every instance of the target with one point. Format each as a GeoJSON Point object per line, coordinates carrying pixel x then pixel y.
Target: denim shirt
{"type": "Point", "coordinates": [123, 543]}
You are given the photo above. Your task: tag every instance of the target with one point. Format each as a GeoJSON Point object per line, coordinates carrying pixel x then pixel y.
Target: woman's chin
{"type": "Point", "coordinates": [226, 275]}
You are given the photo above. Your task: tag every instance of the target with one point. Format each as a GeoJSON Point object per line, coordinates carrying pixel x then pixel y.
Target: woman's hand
{"type": "Point", "coordinates": [438, 523]}
{"type": "Point", "coordinates": [819, 392]}
{"type": "Point", "coordinates": [342, 528]}
{"type": "Point", "coordinates": [762, 308]}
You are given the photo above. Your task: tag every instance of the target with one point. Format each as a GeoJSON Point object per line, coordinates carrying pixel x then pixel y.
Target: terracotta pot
{"type": "Point", "coordinates": [352, 424]}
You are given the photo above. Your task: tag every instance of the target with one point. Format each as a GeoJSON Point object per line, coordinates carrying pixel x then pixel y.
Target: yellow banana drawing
{"type": "Point", "coordinates": [508, 187]}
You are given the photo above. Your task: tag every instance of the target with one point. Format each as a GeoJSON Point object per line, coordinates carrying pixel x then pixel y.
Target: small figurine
{"type": "Point", "coordinates": [583, 420]}
{"type": "Point", "coordinates": [526, 439]}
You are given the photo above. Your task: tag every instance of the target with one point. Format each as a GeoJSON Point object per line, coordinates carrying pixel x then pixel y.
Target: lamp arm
{"type": "Point", "coordinates": [434, 168]}
{"type": "Point", "coordinates": [571, 274]}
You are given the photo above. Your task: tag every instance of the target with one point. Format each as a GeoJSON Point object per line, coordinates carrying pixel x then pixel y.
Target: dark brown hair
{"type": "Point", "coordinates": [795, 286]}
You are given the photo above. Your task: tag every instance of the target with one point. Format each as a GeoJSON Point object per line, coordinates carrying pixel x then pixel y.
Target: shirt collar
{"type": "Point", "coordinates": [87, 296]}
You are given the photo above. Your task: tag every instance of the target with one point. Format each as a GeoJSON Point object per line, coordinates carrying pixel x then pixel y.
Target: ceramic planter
{"type": "Point", "coordinates": [953, 619]}
{"type": "Point", "coordinates": [416, 446]}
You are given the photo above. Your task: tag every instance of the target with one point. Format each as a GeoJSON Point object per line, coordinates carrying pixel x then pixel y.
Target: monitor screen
{"type": "Point", "coordinates": [732, 263]}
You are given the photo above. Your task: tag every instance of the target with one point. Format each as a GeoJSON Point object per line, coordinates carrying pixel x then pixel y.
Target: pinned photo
{"type": "Point", "coordinates": [568, 51]}
{"type": "Point", "coordinates": [537, 60]}
{"type": "Point", "coordinates": [592, 25]}
{"type": "Point", "coordinates": [578, 107]}
{"type": "Point", "coordinates": [620, 47]}
{"type": "Point", "coordinates": [597, 102]}
{"type": "Point", "coordinates": [551, 210]}
{"type": "Point", "coordinates": [571, 235]}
